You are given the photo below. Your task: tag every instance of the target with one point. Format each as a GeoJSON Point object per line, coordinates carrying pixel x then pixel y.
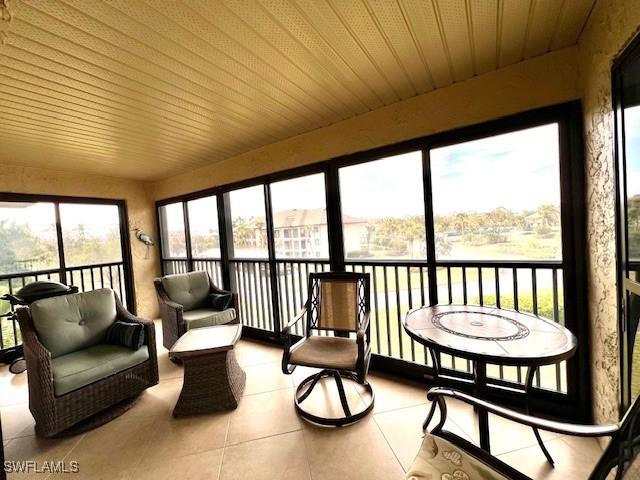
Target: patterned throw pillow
{"type": "Point", "coordinates": [220, 301]}
{"type": "Point", "coordinates": [130, 335]}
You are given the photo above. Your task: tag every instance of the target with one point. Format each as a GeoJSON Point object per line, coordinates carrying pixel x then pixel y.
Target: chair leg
{"type": "Point", "coordinates": [314, 382]}
{"type": "Point", "coordinates": [307, 386]}
{"type": "Point", "coordinates": [343, 396]}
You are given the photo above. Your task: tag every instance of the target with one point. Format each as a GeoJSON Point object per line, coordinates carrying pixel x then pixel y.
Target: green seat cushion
{"type": "Point", "coordinates": [77, 369]}
{"type": "Point", "coordinates": [69, 323]}
{"type": "Point", "coordinates": [187, 289]}
{"type": "Point", "coordinates": [205, 317]}
{"type": "Point", "coordinates": [439, 459]}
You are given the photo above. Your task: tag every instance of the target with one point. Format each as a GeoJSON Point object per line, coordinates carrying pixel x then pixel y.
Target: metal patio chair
{"type": "Point", "coordinates": [338, 302]}
{"type": "Point", "coordinates": [445, 453]}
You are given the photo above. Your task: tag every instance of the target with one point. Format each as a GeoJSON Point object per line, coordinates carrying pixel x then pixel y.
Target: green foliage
{"type": "Point", "coordinates": [443, 246]}
{"type": "Point", "coordinates": [497, 220]}
{"type": "Point", "coordinates": [23, 250]}
{"type": "Point", "coordinates": [394, 233]}
{"type": "Point", "coordinates": [525, 303]}
{"type": "Point", "coordinates": [544, 231]}
{"type": "Point", "coordinates": [249, 232]}
{"type": "Point", "coordinates": [633, 226]}
{"type": "Point", "coordinates": [206, 242]}
{"type": "Point", "coordinates": [82, 248]}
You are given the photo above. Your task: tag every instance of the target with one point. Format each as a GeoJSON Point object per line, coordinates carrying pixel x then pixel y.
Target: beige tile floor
{"type": "Point", "coordinates": [264, 438]}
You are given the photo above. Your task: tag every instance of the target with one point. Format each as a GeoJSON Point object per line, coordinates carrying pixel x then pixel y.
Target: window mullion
{"type": "Point", "coordinates": [226, 242]}
{"type": "Point", "coordinates": [187, 236]}
{"type": "Point", "coordinates": [273, 266]}
{"type": "Point", "coordinates": [334, 220]}
{"type": "Point", "coordinates": [429, 228]}
{"type": "Point", "coordinates": [61, 257]}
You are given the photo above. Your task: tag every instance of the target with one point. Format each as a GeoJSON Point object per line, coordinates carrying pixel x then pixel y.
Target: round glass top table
{"type": "Point", "coordinates": [490, 335]}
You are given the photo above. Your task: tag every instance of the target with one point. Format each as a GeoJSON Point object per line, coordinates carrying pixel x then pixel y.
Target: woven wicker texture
{"type": "Point", "coordinates": [55, 414]}
{"type": "Point", "coordinates": [173, 324]}
{"type": "Point", "coordinates": [212, 382]}
{"type": "Point", "coordinates": [338, 305]}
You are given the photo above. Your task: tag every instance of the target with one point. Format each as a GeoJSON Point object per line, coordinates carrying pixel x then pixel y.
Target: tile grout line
{"type": "Point", "coordinates": [306, 453]}
{"type": "Point", "coordinates": [266, 436]}
{"type": "Point", "coordinates": [224, 446]}
{"type": "Point", "coordinates": [389, 444]}
{"type": "Point", "coordinates": [532, 446]}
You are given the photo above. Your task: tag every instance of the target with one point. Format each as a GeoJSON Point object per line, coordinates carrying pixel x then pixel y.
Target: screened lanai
{"type": "Point", "coordinates": [319, 239]}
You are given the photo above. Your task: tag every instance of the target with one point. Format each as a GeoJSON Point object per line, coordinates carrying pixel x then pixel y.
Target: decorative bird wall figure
{"type": "Point", "coordinates": [144, 238]}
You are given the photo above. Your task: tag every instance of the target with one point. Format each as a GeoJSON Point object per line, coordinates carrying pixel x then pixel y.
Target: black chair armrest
{"type": "Point", "coordinates": [287, 348]}
{"type": "Point", "coordinates": [363, 331]}
{"type": "Point", "coordinates": [439, 394]}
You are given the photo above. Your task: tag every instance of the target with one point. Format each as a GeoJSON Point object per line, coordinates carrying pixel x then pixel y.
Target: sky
{"type": "Point", "coordinates": [40, 216]}
{"type": "Point", "coordinates": [303, 193]}
{"type": "Point", "coordinates": [518, 171]}
{"type": "Point", "coordinates": [203, 215]}
{"type": "Point", "coordinates": [632, 138]}
{"type": "Point", "coordinates": [247, 202]}
{"type": "Point", "coordinates": [388, 187]}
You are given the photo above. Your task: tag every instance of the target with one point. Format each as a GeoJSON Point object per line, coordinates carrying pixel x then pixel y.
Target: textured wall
{"type": "Point", "coordinates": [140, 207]}
{"type": "Point", "coordinates": [610, 27]}
{"type": "Point", "coordinates": [543, 80]}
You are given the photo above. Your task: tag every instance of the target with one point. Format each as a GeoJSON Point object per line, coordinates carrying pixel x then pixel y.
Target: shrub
{"type": "Point", "coordinates": [525, 303]}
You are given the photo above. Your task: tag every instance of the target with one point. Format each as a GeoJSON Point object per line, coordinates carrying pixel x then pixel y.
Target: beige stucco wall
{"type": "Point", "coordinates": [543, 80]}
{"type": "Point", "coordinates": [610, 27]}
{"type": "Point", "coordinates": [140, 208]}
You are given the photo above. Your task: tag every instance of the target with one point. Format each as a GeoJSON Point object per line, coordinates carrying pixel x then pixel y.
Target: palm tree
{"type": "Point", "coordinates": [461, 222]}
{"type": "Point", "coordinates": [549, 215]}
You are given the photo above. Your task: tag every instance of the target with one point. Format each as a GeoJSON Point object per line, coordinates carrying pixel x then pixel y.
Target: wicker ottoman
{"type": "Point", "coordinates": [213, 380]}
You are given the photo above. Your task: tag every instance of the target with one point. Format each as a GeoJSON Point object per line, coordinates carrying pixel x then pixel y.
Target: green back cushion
{"type": "Point", "coordinates": [70, 323]}
{"type": "Point", "coordinates": [188, 289]}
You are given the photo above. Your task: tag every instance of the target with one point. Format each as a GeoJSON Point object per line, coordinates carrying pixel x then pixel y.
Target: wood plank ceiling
{"type": "Point", "coordinates": [148, 89]}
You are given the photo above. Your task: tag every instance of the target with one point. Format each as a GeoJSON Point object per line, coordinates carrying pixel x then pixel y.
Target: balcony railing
{"type": "Point", "coordinates": [253, 281]}
{"type": "Point", "coordinates": [293, 288]}
{"type": "Point", "coordinates": [85, 277]}
{"type": "Point", "coordinates": [175, 265]}
{"type": "Point", "coordinates": [398, 286]}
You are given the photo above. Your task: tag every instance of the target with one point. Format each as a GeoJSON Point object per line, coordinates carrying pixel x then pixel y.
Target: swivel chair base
{"type": "Point", "coordinates": [307, 386]}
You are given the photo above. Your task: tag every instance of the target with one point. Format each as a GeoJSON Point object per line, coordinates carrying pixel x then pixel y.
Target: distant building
{"type": "Point", "coordinates": [302, 233]}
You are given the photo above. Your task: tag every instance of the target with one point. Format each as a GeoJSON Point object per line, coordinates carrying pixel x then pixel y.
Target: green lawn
{"type": "Point", "coordinates": [519, 245]}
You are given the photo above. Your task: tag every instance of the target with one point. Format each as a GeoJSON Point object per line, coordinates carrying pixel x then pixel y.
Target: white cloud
{"type": "Point", "coordinates": [303, 192]}
{"type": "Point", "coordinates": [388, 187]}
{"type": "Point", "coordinates": [518, 170]}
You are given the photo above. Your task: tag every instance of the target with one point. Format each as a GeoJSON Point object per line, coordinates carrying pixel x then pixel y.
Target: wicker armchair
{"type": "Point", "coordinates": [338, 302]}
{"type": "Point", "coordinates": [182, 299]}
{"type": "Point", "coordinates": [87, 406]}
